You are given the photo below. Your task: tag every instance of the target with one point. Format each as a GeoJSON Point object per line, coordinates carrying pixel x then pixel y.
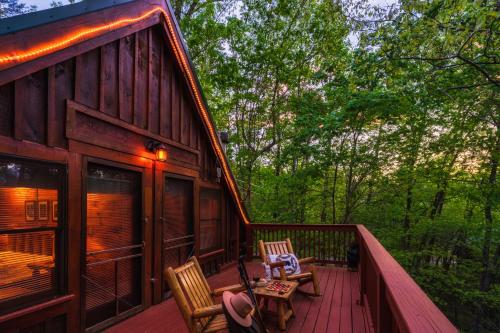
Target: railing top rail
{"type": "Point", "coordinates": [414, 311]}
{"type": "Point", "coordinates": [211, 254]}
{"type": "Point", "coordinates": [272, 226]}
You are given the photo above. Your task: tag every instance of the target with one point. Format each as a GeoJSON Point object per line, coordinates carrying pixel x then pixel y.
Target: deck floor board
{"type": "Point", "coordinates": [336, 310]}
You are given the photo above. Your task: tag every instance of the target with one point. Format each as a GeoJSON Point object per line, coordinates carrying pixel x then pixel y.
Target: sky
{"type": "Point", "coordinates": [44, 4]}
{"type": "Point", "coordinates": [353, 38]}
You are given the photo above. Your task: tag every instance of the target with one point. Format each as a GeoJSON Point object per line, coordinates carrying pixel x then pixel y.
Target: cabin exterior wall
{"type": "Point", "coordinates": [101, 107]}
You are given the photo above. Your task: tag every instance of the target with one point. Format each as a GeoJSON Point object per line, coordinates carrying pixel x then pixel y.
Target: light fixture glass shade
{"type": "Point", "coordinates": [161, 153]}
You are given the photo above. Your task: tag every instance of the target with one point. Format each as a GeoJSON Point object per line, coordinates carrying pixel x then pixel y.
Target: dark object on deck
{"type": "Point", "coordinates": [353, 256]}
{"type": "Point", "coordinates": [246, 281]}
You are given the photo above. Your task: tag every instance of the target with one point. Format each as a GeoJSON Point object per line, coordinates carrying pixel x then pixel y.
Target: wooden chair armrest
{"type": "Point", "coordinates": [299, 276]}
{"type": "Point", "coordinates": [233, 288]}
{"type": "Point", "coordinates": [277, 264]}
{"type": "Point", "coordinates": [306, 260]}
{"type": "Point", "coordinates": [208, 311]}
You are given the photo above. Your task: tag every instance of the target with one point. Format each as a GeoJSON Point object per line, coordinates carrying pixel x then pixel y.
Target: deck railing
{"type": "Point", "coordinates": [396, 303]}
{"type": "Point", "coordinates": [327, 243]}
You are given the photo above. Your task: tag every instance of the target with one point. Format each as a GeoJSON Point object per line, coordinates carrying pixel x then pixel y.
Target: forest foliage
{"type": "Point", "coordinates": [346, 112]}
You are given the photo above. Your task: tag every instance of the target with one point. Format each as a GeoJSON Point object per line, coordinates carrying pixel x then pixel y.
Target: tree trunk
{"type": "Point", "coordinates": [488, 264]}
{"type": "Point", "coordinates": [323, 198]}
{"type": "Point", "coordinates": [349, 188]}
{"type": "Point", "coordinates": [335, 178]}
{"type": "Point", "coordinates": [405, 241]}
{"type": "Point", "coordinates": [437, 204]}
{"type": "Point", "coordinates": [334, 191]}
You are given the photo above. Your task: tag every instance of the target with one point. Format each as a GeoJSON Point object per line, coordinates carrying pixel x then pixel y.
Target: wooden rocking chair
{"type": "Point", "coordinates": [282, 247]}
{"type": "Point", "coordinates": [195, 299]}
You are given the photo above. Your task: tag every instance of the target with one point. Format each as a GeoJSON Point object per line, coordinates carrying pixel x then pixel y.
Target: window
{"type": "Point", "coordinates": [31, 195]}
{"type": "Point", "coordinates": [209, 219]}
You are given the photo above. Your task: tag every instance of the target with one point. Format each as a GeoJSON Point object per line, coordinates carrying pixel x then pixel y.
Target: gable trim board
{"type": "Point", "coordinates": [161, 11]}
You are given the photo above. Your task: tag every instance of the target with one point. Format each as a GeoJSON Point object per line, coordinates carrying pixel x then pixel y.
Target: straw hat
{"type": "Point", "coordinates": [239, 307]}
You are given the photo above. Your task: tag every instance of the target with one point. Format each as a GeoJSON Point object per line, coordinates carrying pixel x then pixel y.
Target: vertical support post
{"type": "Point", "coordinates": [237, 249]}
{"type": "Point", "coordinates": [249, 240]}
{"type": "Point", "coordinates": [384, 315]}
{"type": "Point", "coordinates": [361, 269]}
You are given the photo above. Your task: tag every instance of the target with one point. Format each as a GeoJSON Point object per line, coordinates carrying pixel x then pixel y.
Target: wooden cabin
{"type": "Point", "coordinates": [111, 169]}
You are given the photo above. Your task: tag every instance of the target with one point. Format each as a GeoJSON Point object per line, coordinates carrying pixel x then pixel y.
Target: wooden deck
{"type": "Point", "coordinates": [337, 310]}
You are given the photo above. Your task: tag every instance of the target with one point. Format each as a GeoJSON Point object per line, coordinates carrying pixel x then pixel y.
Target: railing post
{"type": "Point", "coordinates": [249, 240]}
{"type": "Point", "coordinates": [362, 272]}
{"type": "Point", "coordinates": [384, 314]}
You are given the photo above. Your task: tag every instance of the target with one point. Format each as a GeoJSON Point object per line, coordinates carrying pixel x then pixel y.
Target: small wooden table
{"type": "Point", "coordinates": [280, 299]}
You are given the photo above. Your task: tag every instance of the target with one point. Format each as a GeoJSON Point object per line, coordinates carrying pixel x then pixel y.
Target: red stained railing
{"type": "Point", "coordinates": [396, 303]}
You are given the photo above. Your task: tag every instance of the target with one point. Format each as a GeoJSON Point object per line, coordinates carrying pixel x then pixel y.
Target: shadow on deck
{"type": "Point", "coordinates": [337, 310]}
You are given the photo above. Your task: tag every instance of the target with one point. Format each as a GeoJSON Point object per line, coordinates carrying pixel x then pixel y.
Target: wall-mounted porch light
{"type": "Point", "coordinates": [159, 149]}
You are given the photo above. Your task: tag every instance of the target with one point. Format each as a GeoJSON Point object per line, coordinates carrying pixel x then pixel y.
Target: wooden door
{"type": "Point", "coordinates": [178, 227]}
{"type": "Point", "coordinates": [113, 273]}
{"type": "Point", "coordinates": [210, 220]}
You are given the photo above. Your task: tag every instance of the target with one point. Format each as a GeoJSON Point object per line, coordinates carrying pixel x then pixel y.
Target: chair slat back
{"type": "Point", "coordinates": [280, 247]}
{"type": "Point", "coordinates": [194, 287]}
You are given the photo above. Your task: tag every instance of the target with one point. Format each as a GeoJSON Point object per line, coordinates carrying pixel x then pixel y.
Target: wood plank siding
{"type": "Point", "coordinates": [133, 79]}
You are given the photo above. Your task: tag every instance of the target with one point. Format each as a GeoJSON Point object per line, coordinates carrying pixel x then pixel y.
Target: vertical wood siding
{"type": "Point", "coordinates": [141, 79]}
{"type": "Point", "coordinates": [134, 79]}
{"type": "Point", "coordinates": [61, 87]}
{"type": "Point", "coordinates": [30, 107]}
{"type": "Point", "coordinates": [126, 78]}
{"type": "Point", "coordinates": [7, 109]}
{"type": "Point", "coordinates": [109, 80]}
{"type": "Point", "coordinates": [87, 78]}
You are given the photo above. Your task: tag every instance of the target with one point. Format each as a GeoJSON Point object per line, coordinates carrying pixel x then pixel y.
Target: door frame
{"type": "Point", "coordinates": [145, 179]}
{"type": "Point", "coordinates": [162, 171]}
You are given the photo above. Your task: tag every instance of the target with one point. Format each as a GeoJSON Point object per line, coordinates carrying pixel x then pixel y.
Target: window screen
{"type": "Point", "coordinates": [209, 219]}
{"type": "Point", "coordinates": [114, 243]}
{"type": "Point", "coordinates": [30, 233]}
{"type": "Point", "coordinates": [178, 228]}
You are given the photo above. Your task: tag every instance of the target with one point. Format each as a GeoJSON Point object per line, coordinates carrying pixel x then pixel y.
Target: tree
{"type": "Point", "coordinates": [14, 7]}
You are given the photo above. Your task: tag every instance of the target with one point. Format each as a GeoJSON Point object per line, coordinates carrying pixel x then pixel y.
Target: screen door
{"type": "Point", "coordinates": [178, 230]}
{"type": "Point", "coordinates": [114, 248]}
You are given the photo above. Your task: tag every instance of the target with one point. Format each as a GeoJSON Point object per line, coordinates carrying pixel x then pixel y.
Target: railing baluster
{"type": "Point", "coordinates": [330, 246]}
{"type": "Point", "coordinates": [316, 244]}
{"type": "Point", "coordinates": [315, 247]}
{"type": "Point", "coordinates": [326, 242]}
{"type": "Point", "coordinates": [339, 246]}
{"type": "Point", "coordinates": [311, 243]}
{"type": "Point", "coordinates": [334, 246]}
{"type": "Point", "coordinates": [307, 248]}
